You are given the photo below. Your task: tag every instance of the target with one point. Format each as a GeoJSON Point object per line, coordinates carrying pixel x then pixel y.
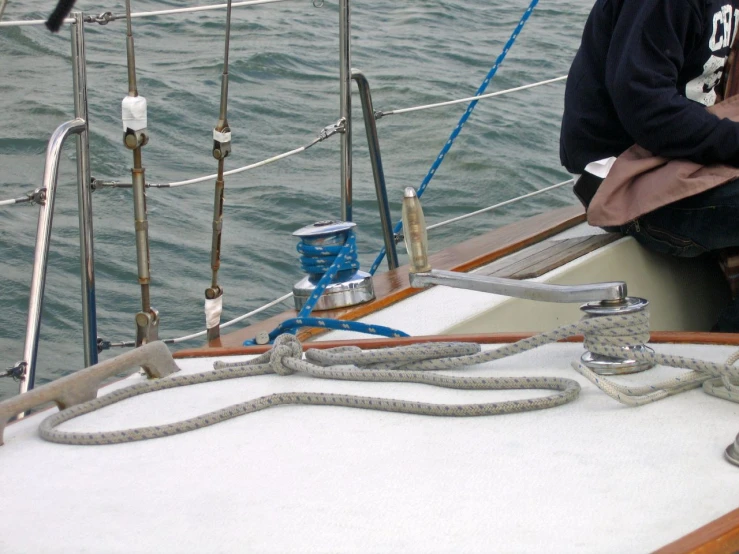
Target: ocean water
{"type": "Point", "coordinates": [284, 89]}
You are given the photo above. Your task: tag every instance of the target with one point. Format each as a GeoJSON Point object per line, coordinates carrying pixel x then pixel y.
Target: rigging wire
{"type": "Point", "coordinates": [107, 17]}
{"type": "Point", "coordinates": [38, 196]}
{"type": "Point", "coordinates": [221, 150]}
{"type": "Point", "coordinates": [14, 201]}
{"type": "Point", "coordinates": [326, 132]}
{"type": "Point", "coordinates": [380, 114]}
{"type": "Point", "coordinates": [500, 204]}
{"type": "Point", "coordinates": [126, 344]}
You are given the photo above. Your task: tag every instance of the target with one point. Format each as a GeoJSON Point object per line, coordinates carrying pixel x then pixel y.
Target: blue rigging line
{"type": "Point", "coordinates": [327, 260]}
{"type": "Point", "coordinates": [462, 121]}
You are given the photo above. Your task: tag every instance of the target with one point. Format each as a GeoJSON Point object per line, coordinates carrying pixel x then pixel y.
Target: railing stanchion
{"type": "Point", "coordinates": [373, 143]}
{"type": "Point", "coordinates": [345, 100]}
{"type": "Point", "coordinates": [41, 254]}
{"type": "Point", "coordinates": [87, 259]}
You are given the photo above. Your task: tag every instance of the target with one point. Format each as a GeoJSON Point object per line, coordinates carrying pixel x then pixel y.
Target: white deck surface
{"type": "Point", "coordinates": [592, 476]}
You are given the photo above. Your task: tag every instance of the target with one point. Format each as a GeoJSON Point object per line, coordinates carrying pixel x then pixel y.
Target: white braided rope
{"type": "Point", "coordinates": [411, 364]}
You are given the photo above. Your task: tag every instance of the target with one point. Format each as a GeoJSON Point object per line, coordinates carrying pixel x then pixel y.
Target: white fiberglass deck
{"type": "Point", "coordinates": [592, 476]}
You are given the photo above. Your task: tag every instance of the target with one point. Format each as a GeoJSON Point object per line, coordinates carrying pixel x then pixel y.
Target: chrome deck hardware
{"type": "Point", "coordinates": [732, 452]}
{"type": "Point", "coordinates": [349, 287]}
{"type": "Point", "coordinates": [604, 298]}
{"type": "Point", "coordinates": [607, 365]}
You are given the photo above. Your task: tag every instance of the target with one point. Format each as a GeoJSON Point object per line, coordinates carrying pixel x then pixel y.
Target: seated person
{"type": "Point", "coordinates": [644, 74]}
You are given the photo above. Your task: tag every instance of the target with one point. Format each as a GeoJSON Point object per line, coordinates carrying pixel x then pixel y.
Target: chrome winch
{"type": "Point", "coordinates": [349, 286]}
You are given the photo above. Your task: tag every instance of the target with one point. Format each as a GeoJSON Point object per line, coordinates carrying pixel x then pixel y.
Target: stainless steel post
{"type": "Point", "coordinates": [41, 254]}
{"type": "Point", "coordinates": [345, 100]}
{"type": "Point", "coordinates": [84, 194]}
{"type": "Point", "coordinates": [221, 150]}
{"type": "Point", "coordinates": [147, 320]}
{"type": "Point", "coordinates": [370, 126]}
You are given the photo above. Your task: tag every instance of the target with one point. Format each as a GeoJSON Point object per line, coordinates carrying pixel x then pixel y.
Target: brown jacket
{"type": "Point", "coordinates": [640, 182]}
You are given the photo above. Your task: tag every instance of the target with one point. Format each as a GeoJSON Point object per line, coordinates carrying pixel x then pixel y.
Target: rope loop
{"type": "Point", "coordinates": [286, 347]}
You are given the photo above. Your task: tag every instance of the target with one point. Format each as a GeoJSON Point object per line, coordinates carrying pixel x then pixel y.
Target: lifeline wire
{"type": "Point", "coordinates": [326, 132]}
{"type": "Point", "coordinates": [499, 205]}
{"type": "Point", "coordinates": [106, 17]}
{"type": "Point", "coordinates": [15, 201]}
{"type": "Point", "coordinates": [447, 146]}
{"type": "Point", "coordinates": [380, 114]}
{"type": "Point", "coordinates": [605, 335]}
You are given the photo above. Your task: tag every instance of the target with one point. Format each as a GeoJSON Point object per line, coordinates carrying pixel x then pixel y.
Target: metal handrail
{"type": "Point", "coordinates": [41, 254]}
{"type": "Point", "coordinates": [345, 109]}
{"type": "Point", "coordinates": [373, 142]}
{"type": "Point", "coordinates": [84, 194]}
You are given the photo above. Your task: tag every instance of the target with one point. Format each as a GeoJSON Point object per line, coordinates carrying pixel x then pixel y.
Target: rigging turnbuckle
{"type": "Point", "coordinates": [102, 19]}
{"type": "Point", "coordinates": [222, 142]}
{"type": "Point", "coordinates": [147, 327]}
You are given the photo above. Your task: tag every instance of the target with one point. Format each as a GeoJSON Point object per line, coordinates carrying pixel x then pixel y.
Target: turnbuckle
{"type": "Point", "coordinates": [222, 142]}
{"type": "Point", "coordinates": [135, 139]}
{"type": "Point", "coordinates": [102, 19]}
{"type": "Point", "coordinates": [147, 327]}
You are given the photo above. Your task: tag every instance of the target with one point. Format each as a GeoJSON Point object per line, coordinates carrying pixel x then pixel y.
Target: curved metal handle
{"type": "Point", "coordinates": [43, 234]}
{"type": "Point", "coordinates": [542, 292]}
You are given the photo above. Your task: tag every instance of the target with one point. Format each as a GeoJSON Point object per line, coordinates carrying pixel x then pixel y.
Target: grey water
{"type": "Point", "coordinates": [284, 88]}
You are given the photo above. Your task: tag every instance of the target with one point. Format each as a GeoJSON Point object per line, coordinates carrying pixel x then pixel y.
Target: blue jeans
{"type": "Point", "coordinates": [696, 225]}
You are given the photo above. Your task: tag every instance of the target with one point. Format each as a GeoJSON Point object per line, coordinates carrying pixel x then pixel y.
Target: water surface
{"type": "Point", "coordinates": [283, 91]}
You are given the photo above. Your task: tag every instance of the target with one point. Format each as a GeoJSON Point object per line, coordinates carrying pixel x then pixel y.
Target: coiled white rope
{"type": "Point", "coordinates": [604, 335]}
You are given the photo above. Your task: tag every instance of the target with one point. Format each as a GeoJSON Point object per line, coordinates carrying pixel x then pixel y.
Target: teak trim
{"type": "Point", "coordinates": [668, 337]}
{"type": "Point", "coordinates": [721, 536]}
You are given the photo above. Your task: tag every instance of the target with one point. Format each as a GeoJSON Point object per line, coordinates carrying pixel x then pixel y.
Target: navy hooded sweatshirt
{"type": "Point", "coordinates": [644, 73]}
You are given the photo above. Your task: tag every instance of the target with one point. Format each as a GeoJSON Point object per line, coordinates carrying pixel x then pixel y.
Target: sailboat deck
{"type": "Point", "coordinates": [590, 476]}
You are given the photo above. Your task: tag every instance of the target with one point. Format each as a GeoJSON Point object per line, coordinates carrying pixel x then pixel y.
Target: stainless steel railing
{"type": "Point", "coordinates": [373, 141]}
{"type": "Point", "coordinates": [41, 254]}
{"type": "Point", "coordinates": [79, 127]}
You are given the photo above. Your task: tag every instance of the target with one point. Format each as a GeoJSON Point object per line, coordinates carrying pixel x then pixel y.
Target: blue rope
{"type": "Point", "coordinates": [292, 325]}
{"type": "Point", "coordinates": [315, 260]}
{"type": "Point", "coordinates": [462, 121]}
{"type": "Point", "coordinates": [318, 260]}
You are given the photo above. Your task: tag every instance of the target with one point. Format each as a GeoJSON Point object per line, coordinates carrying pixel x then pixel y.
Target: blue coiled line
{"type": "Point", "coordinates": [462, 121]}
{"type": "Point", "coordinates": [328, 260]}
